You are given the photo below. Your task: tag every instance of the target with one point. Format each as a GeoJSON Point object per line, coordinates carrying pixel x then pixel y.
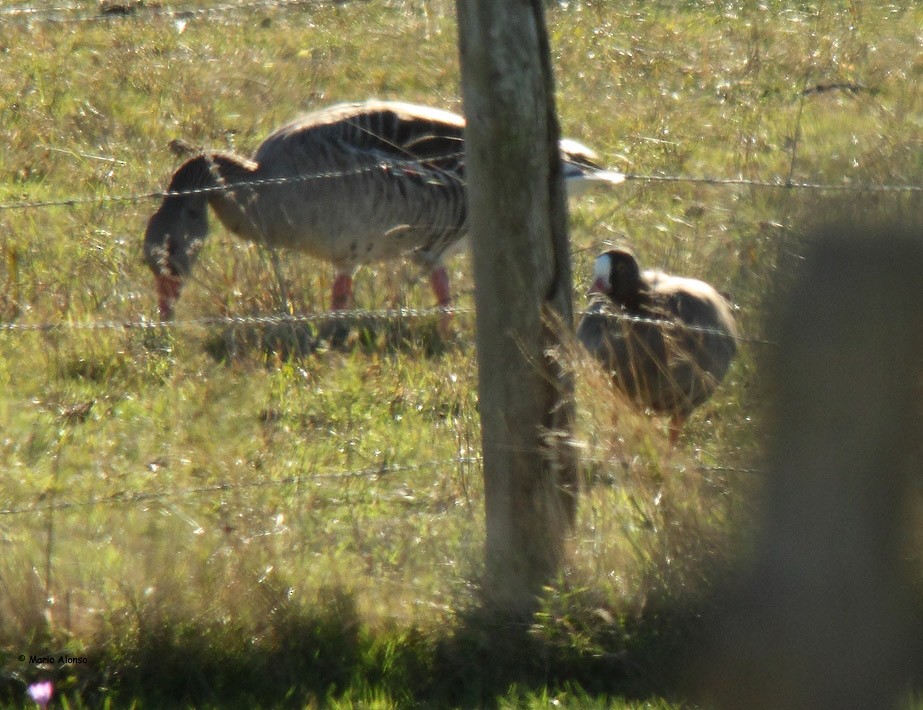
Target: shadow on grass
{"type": "Point", "coordinates": [589, 654]}
{"type": "Point", "coordinates": [303, 659]}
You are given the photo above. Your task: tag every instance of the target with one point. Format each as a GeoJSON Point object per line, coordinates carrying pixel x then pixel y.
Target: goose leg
{"type": "Point", "coordinates": [337, 330]}
{"type": "Point", "coordinates": [342, 292]}
{"type": "Point", "coordinates": [439, 280]}
{"type": "Point", "coordinates": [676, 425]}
{"type": "Point", "coordinates": [168, 288]}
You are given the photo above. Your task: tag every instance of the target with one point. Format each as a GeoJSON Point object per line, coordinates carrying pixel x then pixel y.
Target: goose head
{"type": "Point", "coordinates": [173, 238]}
{"type": "Point", "coordinates": [616, 274]}
{"type": "Point", "coordinates": [176, 231]}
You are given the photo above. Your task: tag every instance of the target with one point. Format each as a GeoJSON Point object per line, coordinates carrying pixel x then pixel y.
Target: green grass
{"type": "Point", "coordinates": [209, 560]}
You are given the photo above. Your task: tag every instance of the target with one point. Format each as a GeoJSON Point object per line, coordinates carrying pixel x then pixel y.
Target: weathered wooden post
{"type": "Point", "coordinates": [522, 291]}
{"type": "Point", "coordinates": [823, 622]}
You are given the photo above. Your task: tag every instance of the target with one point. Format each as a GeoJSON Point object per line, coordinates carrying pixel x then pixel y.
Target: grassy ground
{"type": "Point", "coordinates": [212, 524]}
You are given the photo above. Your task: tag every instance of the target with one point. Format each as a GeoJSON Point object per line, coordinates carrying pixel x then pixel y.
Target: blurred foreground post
{"type": "Point", "coordinates": [522, 275]}
{"type": "Point", "coordinates": [823, 621]}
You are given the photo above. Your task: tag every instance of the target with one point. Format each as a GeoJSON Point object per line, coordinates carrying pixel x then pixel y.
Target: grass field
{"type": "Point", "coordinates": [210, 523]}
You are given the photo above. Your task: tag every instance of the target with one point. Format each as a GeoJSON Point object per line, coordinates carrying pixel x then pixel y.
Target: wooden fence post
{"type": "Point", "coordinates": [823, 621]}
{"type": "Point", "coordinates": [522, 291]}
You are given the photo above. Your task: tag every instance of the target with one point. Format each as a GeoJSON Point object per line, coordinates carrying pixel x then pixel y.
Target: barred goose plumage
{"type": "Point", "coordinates": [668, 341]}
{"type": "Point", "coordinates": [349, 184]}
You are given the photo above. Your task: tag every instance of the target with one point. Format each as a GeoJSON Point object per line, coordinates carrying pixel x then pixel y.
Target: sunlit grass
{"type": "Point", "coordinates": [195, 535]}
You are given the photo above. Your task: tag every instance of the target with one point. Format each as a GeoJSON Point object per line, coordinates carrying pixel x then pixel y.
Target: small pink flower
{"type": "Point", "coordinates": [41, 693]}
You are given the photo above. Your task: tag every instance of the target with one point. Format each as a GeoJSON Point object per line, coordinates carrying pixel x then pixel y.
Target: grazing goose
{"type": "Point", "coordinates": [670, 366]}
{"type": "Point", "coordinates": [350, 184]}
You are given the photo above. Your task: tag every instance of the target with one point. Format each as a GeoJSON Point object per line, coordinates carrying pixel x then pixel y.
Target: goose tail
{"type": "Point", "coordinates": [580, 182]}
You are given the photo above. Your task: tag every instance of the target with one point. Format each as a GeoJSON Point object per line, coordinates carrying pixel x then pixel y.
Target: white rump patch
{"type": "Point", "coordinates": [602, 271]}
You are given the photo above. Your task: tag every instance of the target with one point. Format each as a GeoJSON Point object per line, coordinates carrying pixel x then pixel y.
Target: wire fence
{"type": "Point", "coordinates": [776, 183]}
{"type": "Point", "coordinates": [48, 503]}
{"type": "Point", "coordinates": [111, 10]}
{"type": "Point", "coordinates": [133, 498]}
{"type": "Point", "coordinates": [355, 316]}
{"type": "Point", "coordinates": [134, 11]}
{"type": "Point", "coordinates": [772, 183]}
{"type": "Point", "coordinates": [365, 315]}
{"type": "Point", "coordinates": [141, 497]}
{"type": "Point", "coordinates": [223, 187]}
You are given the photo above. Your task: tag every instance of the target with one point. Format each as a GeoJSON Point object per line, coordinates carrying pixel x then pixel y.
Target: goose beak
{"type": "Point", "coordinates": [168, 288]}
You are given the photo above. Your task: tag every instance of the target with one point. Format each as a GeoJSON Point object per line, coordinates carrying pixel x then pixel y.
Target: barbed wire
{"type": "Point", "coordinates": [252, 320]}
{"type": "Point", "coordinates": [774, 183]}
{"type": "Point", "coordinates": [121, 11]}
{"type": "Point", "coordinates": [355, 315]}
{"type": "Point", "coordinates": [131, 498]}
{"type": "Point", "coordinates": [138, 497]}
{"type": "Point", "coordinates": [626, 464]}
{"type": "Point", "coordinates": [668, 324]}
{"type": "Point", "coordinates": [390, 165]}
{"type": "Point", "coordinates": [365, 315]}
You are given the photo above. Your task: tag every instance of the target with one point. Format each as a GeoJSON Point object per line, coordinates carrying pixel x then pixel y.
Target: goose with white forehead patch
{"type": "Point", "coordinates": [667, 340]}
{"type": "Point", "coordinates": [350, 184]}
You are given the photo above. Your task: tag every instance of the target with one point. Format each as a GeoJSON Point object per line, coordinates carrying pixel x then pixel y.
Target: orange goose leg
{"type": "Point", "coordinates": [168, 288]}
{"type": "Point", "coordinates": [342, 292]}
{"type": "Point", "coordinates": [439, 280]}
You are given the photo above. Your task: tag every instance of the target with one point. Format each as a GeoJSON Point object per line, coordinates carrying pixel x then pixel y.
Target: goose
{"type": "Point", "coordinates": [667, 340]}
{"type": "Point", "coordinates": [349, 184]}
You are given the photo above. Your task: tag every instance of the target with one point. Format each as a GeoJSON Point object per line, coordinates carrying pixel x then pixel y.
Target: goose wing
{"type": "Point", "coordinates": [633, 351]}
{"type": "Point", "coordinates": [393, 132]}
{"type": "Point", "coordinates": [702, 345]}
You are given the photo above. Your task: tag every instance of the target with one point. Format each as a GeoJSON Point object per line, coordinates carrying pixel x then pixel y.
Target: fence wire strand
{"type": "Point", "coordinates": [774, 183]}
{"type": "Point", "coordinates": [356, 315]}
{"type": "Point", "coordinates": [79, 200]}
{"type": "Point", "coordinates": [137, 498]}
{"type": "Point", "coordinates": [127, 498]}
{"type": "Point", "coordinates": [128, 10]}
